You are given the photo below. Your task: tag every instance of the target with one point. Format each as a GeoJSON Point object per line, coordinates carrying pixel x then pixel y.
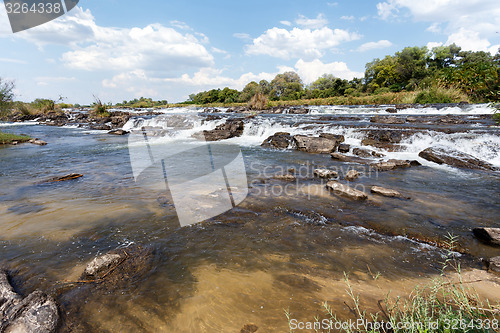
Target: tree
{"type": "Point", "coordinates": [328, 85]}
{"type": "Point", "coordinates": [249, 91]}
{"type": "Point", "coordinates": [411, 66]}
{"type": "Point", "coordinates": [286, 86]}
{"type": "Point", "coordinates": [6, 94]}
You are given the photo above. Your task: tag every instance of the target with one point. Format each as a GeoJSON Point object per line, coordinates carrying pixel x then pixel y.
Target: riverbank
{"type": "Point", "coordinates": [9, 139]}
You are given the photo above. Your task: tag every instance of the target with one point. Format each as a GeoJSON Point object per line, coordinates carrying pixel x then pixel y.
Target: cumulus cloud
{"type": "Point", "coordinates": [432, 45]}
{"type": "Point", "coordinates": [299, 43]}
{"type": "Point", "coordinates": [310, 71]}
{"type": "Point", "coordinates": [315, 23]}
{"type": "Point", "coordinates": [374, 45]}
{"type": "Point", "coordinates": [464, 21]}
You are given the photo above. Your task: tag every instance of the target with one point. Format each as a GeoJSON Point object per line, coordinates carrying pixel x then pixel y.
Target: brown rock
{"type": "Point", "coordinates": [232, 128]}
{"type": "Point", "coordinates": [325, 173]}
{"type": "Point", "coordinates": [494, 264]}
{"type": "Point", "coordinates": [318, 145]}
{"type": "Point", "coordinates": [441, 155]}
{"type": "Point", "coordinates": [352, 175]}
{"type": "Point", "coordinates": [387, 120]}
{"type": "Point", "coordinates": [386, 192]}
{"type": "Point", "coordinates": [344, 148]}
{"type": "Point", "coordinates": [353, 159]}
{"type": "Point", "coordinates": [346, 191]}
{"type": "Point", "coordinates": [488, 235]}
{"type": "Point", "coordinates": [287, 178]}
{"type": "Point", "coordinates": [279, 140]}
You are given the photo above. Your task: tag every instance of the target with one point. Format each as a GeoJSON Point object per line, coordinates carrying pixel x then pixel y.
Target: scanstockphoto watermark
{"type": "Point", "coordinates": [452, 325]}
{"type": "Point", "coordinates": [26, 14]}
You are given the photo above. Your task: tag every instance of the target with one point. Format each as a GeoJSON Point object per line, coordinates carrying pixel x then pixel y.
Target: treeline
{"type": "Point", "coordinates": [143, 102]}
{"type": "Point", "coordinates": [476, 74]}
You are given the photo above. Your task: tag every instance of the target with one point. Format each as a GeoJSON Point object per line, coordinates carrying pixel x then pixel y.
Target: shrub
{"type": "Point", "coordinates": [258, 102]}
{"type": "Point", "coordinates": [382, 90]}
{"type": "Point", "coordinates": [99, 109]}
{"type": "Point", "coordinates": [439, 94]}
{"type": "Point", "coordinates": [496, 115]}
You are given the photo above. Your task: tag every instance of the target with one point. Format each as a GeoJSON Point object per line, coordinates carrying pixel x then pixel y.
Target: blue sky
{"type": "Point", "coordinates": [120, 50]}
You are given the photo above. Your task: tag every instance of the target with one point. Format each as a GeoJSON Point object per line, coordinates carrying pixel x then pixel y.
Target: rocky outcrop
{"type": "Point", "coordinates": [352, 175]}
{"type": "Point", "coordinates": [387, 119]}
{"type": "Point", "coordinates": [318, 145]}
{"type": "Point", "coordinates": [383, 138]}
{"type": "Point", "coordinates": [344, 148]}
{"type": "Point", "coordinates": [386, 192]}
{"type": "Point", "coordinates": [455, 158]}
{"type": "Point", "coordinates": [390, 165]}
{"type": "Point", "coordinates": [346, 191]}
{"type": "Point", "coordinates": [494, 264]}
{"type": "Point", "coordinates": [489, 236]}
{"type": "Point", "coordinates": [38, 142]}
{"type": "Point", "coordinates": [279, 140]}
{"type": "Point", "coordinates": [350, 159]}
{"type": "Point", "coordinates": [366, 153]}
{"type": "Point", "coordinates": [37, 313]}
{"type": "Point", "coordinates": [230, 129]}
{"type": "Point", "coordinates": [325, 173]}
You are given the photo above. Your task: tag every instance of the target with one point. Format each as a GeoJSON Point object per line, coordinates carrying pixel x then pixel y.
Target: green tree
{"type": "Point", "coordinates": [249, 91]}
{"type": "Point", "coordinates": [6, 95]}
{"type": "Point", "coordinates": [411, 66]}
{"type": "Point", "coordinates": [286, 86]}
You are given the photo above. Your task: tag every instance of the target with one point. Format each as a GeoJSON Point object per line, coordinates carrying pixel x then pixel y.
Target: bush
{"type": "Point", "coordinates": [6, 95]}
{"type": "Point", "coordinates": [258, 102]}
{"type": "Point", "coordinates": [439, 94]}
{"type": "Point", "coordinates": [383, 90]}
{"type": "Point", "coordinates": [99, 109]}
{"type": "Point", "coordinates": [496, 115]}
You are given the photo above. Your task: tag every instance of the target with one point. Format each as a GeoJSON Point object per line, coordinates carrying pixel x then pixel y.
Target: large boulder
{"type": "Point", "coordinates": [230, 129]}
{"type": "Point", "coordinates": [442, 155]}
{"type": "Point", "coordinates": [346, 191]}
{"type": "Point", "coordinates": [488, 235]}
{"type": "Point", "coordinates": [318, 145]}
{"type": "Point", "coordinates": [279, 140]}
{"type": "Point", "coordinates": [383, 138]}
{"type": "Point", "coordinates": [37, 313]}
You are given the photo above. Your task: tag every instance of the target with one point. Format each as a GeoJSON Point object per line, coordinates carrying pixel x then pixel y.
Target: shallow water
{"type": "Point", "coordinates": [286, 246]}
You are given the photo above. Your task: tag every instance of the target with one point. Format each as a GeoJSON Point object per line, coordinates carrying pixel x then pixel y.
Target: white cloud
{"type": "Point", "coordinates": [287, 23]}
{"type": "Point", "coordinates": [47, 80]}
{"type": "Point", "coordinates": [316, 23]}
{"type": "Point", "coordinates": [241, 35]}
{"type": "Point", "coordinates": [374, 45]}
{"type": "Point", "coordinates": [180, 25]}
{"type": "Point", "coordinates": [432, 45]}
{"type": "Point", "coordinates": [13, 61]}
{"type": "Point", "coordinates": [299, 43]}
{"type": "Point", "coordinates": [471, 24]}
{"type": "Point", "coordinates": [347, 18]}
{"type": "Point", "coordinates": [310, 71]}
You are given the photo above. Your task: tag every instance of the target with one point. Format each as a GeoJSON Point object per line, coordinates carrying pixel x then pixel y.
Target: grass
{"type": "Point", "coordinates": [8, 138]}
{"type": "Point", "coordinates": [99, 109]}
{"type": "Point", "coordinates": [443, 306]}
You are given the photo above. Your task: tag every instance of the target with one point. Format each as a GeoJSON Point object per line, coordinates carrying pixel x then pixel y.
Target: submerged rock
{"type": "Point", "coordinates": [442, 155]}
{"type": "Point", "coordinates": [346, 191]}
{"type": "Point", "coordinates": [318, 145]}
{"type": "Point", "coordinates": [287, 178]}
{"type": "Point", "coordinates": [249, 328]}
{"type": "Point", "coordinates": [62, 178]}
{"type": "Point", "coordinates": [352, 175]}
{"type": "Point", "coordinates": [390, 165]}
{"type": "Point", "coordinates": [99, 266]}
{"type": "Point", "coordinates": [279, 140]}
{"type": "Point", "coordinates": [326, 173]}
{"type": "Point", "coordinates": [37, 313]}
{"type": "Point", "coordinates": [353, 159]}
{"type": "Point", "coordinates": [118, 132]}
{"type": "Point", "coordinates": [38, 142]}
{"type": "Point", "coordinates": [488, 235]}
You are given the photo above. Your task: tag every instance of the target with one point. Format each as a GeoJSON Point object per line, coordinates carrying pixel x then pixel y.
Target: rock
{"type": "Point", "coordinates": [100, 127]}
{"type": "Point", "coordinates": [352, 175]}
{"type": "Point", "coordinates": [441, 155]}
{"type": "Point", "coordinates": [37, 313]}
{"type": "Point", "coordinates": [118, 132]}
{"type": "Point", "coordinates": [382, 138]}
{"type": "Point", "coordinates": [63, 178]}
{"type": "Point", "coordinates": [38, 142]}
{"type": "Point", "coordinates": [287, 178]}
{"type": "Point", "coordinates": [353, 159]}
{"type": "Point", "coordinates": [325, 173]}
{"type": "Point", "coordinates": [279, 140]}
{"type": "Point", "coordinates": [366, 153]}
{"type": "Point", "coordinates": [99, 266]}
{"type": "Point", "coordinates": [391, 110]}
{"type": "Point", "coordinates": [390, 165]}
{"type": "Point", "coordinates": [386, 192]}
{"type": "Point", "coordinates": [387, 120]}
{"type": "Point", "coordinates": [488, 235]}
{"type": "Point", "coordinates": [298, 110]}
{"type": "Point", "coordinates": [337, 137]}
{"type": "Point", "coordinates": [344, 148]}
{"type": "Point", "coordinates": [249, 328]}
{"type": "Point", "coordinates": [346, 191]}
{"type": "Point", "coordinates": [230, 129]}
{"type": "Point", "coordinates": [494, 264]}
{"type": "Point", "coordinates": [318, 145]}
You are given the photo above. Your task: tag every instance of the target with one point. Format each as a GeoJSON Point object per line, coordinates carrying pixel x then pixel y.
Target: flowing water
{"type": "Point", "coordinates": [285, 246]}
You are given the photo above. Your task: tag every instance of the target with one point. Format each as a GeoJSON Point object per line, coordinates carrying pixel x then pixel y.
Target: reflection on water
{"type": "Point", "coordinates": [276, 250]}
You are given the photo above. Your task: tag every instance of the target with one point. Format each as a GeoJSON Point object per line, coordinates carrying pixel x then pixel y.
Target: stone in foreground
{"type": "Point", "coordinates": [386, 192]}
{"type": "Point", "coordinates": [99, 266]}
{"type": "Point", "coordinates": [37, 313]}
{"type": "Point", "coordinates": [352, 175]}
{"type": "Point", "coordinates": [488, 235]}
{"type": "Point", "coordinates": [455, 158]}
{"type": "Point", "coordinates": [325, 173]}
{"type": "Point", "coordinates": [279, 140]}
{"type": "Point", "coordinates": [317, 145]}
{"type": "Point", "coordinates": [346, 191]}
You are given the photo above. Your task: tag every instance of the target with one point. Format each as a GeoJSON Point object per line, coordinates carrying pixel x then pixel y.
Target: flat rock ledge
{"type": "Point", "coordinates": [346, 191]}
{"type": "Point", "coordinates": [489, 236]}
{"type": "Point", "coordinates": [37, 313]}
{"type": "Point", "coordinates": [386, 192]}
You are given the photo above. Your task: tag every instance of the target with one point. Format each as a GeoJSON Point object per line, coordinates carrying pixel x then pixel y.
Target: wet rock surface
{"type": "Point", "coordinates": [230, 129]}
{"type": "Point", "coordinates": [325, 173]}
{"type": "Point", "coordinates": [320, 145]}
{"type": "Point", "coordinates": [346, 191]}
{"type": "Point", "coordinates": [352, 175]}
{"type": "Point", "coordinates": [279, 140]}
{"type": "Point", "coordinates": [442, 155]}
{"type": "Point", "coordinates": [386, 192]}
{"type": "Point", "coordinates": [494, 264]}
{"type": "Point", "coordinates": [37, 313]}
{"type": "Point", "coordinates": [489, 236]}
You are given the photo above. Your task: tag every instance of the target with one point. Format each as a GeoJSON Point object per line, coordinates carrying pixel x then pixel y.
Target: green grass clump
{"type": "Point", "coordinates": [8, 138]}
{"type": "Point", "coordinates": [439, 94]}
{"type": "Point", "coordinates": [99, 109]}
